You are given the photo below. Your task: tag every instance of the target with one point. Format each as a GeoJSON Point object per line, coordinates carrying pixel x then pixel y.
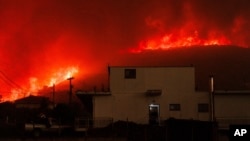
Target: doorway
{"type": "Point", "coordinates": [154, 112]}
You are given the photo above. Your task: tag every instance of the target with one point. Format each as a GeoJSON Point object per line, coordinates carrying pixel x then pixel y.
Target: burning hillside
{"type": "Point", "coordinates": [43, 42]}
{"type": "Point", "coordinates": [195, 29]}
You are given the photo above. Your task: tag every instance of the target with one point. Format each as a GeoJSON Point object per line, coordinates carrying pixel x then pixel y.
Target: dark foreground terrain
{"type": "Point", "coordinates": [171, 130]}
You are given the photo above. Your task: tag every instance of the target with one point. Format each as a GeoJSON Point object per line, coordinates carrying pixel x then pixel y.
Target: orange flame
{"type": "Point", "coordinates": [62, 74]}
{"type": "Point", "coordinates": [170, 41]}
{"type": "Point", "coordinates": [35, 85]}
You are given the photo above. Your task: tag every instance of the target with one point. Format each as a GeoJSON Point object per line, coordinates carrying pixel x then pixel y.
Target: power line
{"type": "Point", "coordinates": [8, 81]}
{"type": "Point", "coordinates": [5, 81]}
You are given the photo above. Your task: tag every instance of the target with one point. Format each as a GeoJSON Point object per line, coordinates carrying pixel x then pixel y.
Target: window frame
{"type": "Point", "coordinates": [130, 73]}
{"type": "Point", "coordinates": [174, 107]}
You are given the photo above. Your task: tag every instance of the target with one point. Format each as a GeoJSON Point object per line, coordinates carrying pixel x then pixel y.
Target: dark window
{"type": "Point", "coordinates": [174, 107]}
{"type": "Point", "coordinates": [130, 73]}
{"type": "Point", "coordinates": [203, 107]}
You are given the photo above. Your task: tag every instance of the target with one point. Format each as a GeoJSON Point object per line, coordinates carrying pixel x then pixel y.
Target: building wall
{"type": "Point", "coordinates": [130, 102]}
{"type": "Point", "coordinates": [170, 78]}
{"type": "Point", "coordinates": [231, 109]}
{"type": "Point", "coordinates": [232, 106]}
{"type": "Point", "coordinates": [103, 106]}
{"type": "Point", "coordinates": [29, 106]}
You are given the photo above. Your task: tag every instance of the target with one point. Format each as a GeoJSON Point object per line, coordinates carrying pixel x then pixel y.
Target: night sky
{"type": "Point", "coordinates": [42, 39]}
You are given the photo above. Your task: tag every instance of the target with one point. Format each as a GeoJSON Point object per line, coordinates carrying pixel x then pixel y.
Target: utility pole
{"type": "Point", "coordinates": [70, 89]}
{"type": "Point", "coordinates": [211, 98]}
{"type": "Point", "coordinates": [53, 94]}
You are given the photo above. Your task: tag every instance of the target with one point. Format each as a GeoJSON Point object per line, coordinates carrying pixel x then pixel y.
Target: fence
{"type": "Point", "coordinates": [82, 124]}
{"type": "Point", "coordinates": [170, 130]}
{"type": "Point", "coordinates": [223, 123]}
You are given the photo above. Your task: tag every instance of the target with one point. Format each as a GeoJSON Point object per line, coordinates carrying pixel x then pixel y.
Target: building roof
{"type": "Point", "coordinates": [191, 65]}
{"type": "Point", "coordinates": [226, 92]}
{"type": "Point", "coordinates": [94, 93]}
{"type": "Point", "coordinates": [32, 100]}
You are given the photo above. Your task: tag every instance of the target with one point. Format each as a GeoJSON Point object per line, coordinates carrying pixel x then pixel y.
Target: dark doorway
{"type": "Point", "coordinates": [154, 111]}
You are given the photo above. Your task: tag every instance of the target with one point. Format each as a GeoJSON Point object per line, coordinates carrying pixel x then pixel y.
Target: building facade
{"type": "Point", "coordinates": [231, 107]}
{"type": "Point", "coordinates": [33, 102]}
{"type": "Point", "coordinates": [150, 95]}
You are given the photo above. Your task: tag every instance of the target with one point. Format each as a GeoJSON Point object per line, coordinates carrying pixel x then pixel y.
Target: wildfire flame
{"type": "Point", "coordinates": [191, 30]}
{"type": "Point", "coordinates": [170, 41]}
{"type": "Point", "coordinates": [35, 85]}
{"type": "Point", "coordinates": [34, 42]}
{"type": "Point", "coordinates": [62, 75]}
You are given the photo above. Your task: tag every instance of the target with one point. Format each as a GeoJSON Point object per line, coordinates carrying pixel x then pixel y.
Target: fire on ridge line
{"type": "Point", "coordinates": [35, 85]}
{"type": "Point", "coordinates": [172, 41]}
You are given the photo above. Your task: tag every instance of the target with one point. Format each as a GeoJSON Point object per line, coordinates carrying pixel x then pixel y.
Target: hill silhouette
{"type": "Point", "coordinates": [229, 65]}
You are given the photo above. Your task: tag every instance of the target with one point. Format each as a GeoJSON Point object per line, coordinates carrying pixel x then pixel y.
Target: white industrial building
{"type": "Point", "coordinates": [152, 94]}
{"type": "Point", "coordinates": [149, 95]}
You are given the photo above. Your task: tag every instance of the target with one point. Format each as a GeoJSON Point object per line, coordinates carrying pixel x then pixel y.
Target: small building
{"type": "Point", "coordinates": [33, 102]}
{"type": "Point", "coordinates": [148, 95]}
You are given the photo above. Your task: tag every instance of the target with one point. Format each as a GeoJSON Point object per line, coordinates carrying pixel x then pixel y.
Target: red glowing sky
{"type": "Point", "coordinates": [40, 38]}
